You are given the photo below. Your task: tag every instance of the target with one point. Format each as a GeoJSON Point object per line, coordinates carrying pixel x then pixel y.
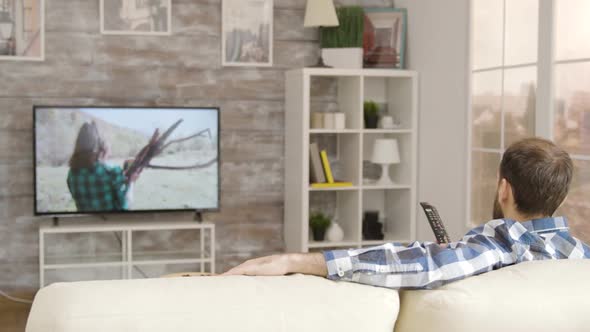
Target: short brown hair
{"type": "Point", "coordinates": [540, 174]}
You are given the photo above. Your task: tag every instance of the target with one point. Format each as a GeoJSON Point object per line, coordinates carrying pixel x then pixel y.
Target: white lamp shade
{"type": "Point", "coordinates": [385, 151]}
{"type": "Point", "coordinates": [320, 13]}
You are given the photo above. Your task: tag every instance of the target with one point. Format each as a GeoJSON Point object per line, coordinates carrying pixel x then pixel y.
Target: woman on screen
{"type": "Point", "coordinates": [94, 185]}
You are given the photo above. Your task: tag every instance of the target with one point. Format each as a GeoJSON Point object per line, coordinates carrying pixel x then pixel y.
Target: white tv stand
{"type": "Point", "coordinates": [128, 258]}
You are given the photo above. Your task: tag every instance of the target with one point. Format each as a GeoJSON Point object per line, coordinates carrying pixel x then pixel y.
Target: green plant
{"type": "Point", "coordinates": [371, 109]}
{"type": "Point", "coordinates": [350, 31]}
{"type": "Point", "coordinates": [319, 221]}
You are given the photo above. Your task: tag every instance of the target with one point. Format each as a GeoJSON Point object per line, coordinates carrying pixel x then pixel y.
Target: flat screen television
{"type": "Point", "coordinates": [97, 160]}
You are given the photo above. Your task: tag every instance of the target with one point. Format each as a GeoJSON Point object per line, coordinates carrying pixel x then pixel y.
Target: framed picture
{"type": "Point", "coordinates": [247, 35]}
{"type": "Point", "coordinates": [136, 17]}
{"type": "Point", "coordinates": [384, 40]}
{"type": "Point", "coordinates": [22, 30]}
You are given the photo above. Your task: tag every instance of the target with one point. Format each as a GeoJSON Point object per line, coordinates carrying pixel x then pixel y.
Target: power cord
{"type": "Point", "coordinates": [15, 299]}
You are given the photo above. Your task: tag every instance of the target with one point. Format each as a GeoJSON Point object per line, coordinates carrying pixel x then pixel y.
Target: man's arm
{"type": "Point", "coordinates": [419, 265]}
{"type": "Point", "coordinates": [276, 265]}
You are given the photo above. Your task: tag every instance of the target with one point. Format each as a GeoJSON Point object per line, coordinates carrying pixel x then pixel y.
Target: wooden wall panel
{"type": "Point", "coordinates": [83, 67]}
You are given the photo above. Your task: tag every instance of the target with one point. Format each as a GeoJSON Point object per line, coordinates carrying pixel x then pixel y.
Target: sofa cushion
{"type": "Point", "coordinates": [535, 296]}
{"type": "Point", "coordinates": [275, 304]}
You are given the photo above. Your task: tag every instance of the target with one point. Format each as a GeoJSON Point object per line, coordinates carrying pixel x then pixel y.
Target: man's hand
{"type": "Point", "coordinates": [275, 265]}
{"type": "Point", "coordinates": [278, 265]}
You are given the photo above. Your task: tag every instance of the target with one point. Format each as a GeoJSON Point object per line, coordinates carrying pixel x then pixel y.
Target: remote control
{"type": "Point", "coordinates": [436, 223]}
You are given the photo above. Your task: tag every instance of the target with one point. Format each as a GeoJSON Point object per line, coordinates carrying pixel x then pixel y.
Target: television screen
{"type": "Point", "coordinates": [107, 159]}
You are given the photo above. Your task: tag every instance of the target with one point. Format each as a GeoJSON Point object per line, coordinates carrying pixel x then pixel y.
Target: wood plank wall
{"type": "Point", "coordinates": [83, 67]}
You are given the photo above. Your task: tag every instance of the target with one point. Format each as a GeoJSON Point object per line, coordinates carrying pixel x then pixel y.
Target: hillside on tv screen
{"type": "Point", "coordinates": [113, 160]}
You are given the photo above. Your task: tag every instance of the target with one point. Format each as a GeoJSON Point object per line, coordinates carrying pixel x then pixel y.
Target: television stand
{"type": "Point", "coordinates": [123, 261]}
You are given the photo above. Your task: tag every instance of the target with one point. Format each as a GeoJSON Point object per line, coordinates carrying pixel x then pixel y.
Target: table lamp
{"type": "Point", "coordinates": [385, 153]}
{"type": "Point", "coordinates": [320, 13]}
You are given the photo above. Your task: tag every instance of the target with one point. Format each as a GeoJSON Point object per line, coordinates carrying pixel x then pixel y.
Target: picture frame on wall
{"type": "Point", "coordinates": [22, 30]}
{"type": "Point", "coordinates": [384, 39]}
{"type": "Point", "coordinates": [247, 33]}
{"type": "Point", "coordinates": [136, 17]}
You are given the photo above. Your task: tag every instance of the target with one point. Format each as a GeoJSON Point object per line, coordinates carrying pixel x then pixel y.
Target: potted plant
{"type": "Point", "coordinates": [319, 223]}
{"type": "Point", "coordinates": [342, 46]}
{"type": "Point", "coordinates": [371, 112]}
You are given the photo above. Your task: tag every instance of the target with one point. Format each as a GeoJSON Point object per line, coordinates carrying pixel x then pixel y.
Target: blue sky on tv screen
{"type": "Point", "coordinates": [146, 120]}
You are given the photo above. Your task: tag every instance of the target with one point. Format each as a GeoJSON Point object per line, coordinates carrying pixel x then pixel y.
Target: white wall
{"type": "Point", "coordinates": [438, 49]}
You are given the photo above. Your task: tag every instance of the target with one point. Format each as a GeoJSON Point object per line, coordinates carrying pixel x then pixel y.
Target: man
{"type": "Point", "coordinates": [94, 185]}
{"type": "Point", "coordinates": [534, 179]}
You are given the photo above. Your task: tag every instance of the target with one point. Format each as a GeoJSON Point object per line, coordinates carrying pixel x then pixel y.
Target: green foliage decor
{"type": "Point", "coordinates": [319, 221]}
{"type": "Point", "coordinates": [350, 31]}
{"type": "Point", "coordinates": [371, 108]}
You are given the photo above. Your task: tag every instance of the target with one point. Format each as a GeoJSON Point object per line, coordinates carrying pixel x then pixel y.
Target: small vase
{"type": "Point", "coordinates": [335, 233]}
{"type": "Point", "coordinates": [318, 234]}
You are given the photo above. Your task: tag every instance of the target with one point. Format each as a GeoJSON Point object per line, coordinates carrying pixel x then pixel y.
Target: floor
{"type": "Point", "coordinates": [13, 316]}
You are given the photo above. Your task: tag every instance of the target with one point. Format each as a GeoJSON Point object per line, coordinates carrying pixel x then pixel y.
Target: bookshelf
{"type": "Point", "coordinates": [345, 90]}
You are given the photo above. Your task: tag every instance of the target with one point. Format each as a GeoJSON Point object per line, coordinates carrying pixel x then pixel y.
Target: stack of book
{"type": "Point", "coordinates": [320, 170]}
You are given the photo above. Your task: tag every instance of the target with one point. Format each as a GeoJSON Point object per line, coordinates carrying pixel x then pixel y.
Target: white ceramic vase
{"type": "Point", "coordinates": [334, 233]}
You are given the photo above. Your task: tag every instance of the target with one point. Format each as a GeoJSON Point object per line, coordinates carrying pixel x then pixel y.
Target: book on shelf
{"type": "Point", "coordinates": [316, 170]}
{"type": "Point", "coordinates": [327, 168]}
{"type": "Point", "coordinates": [331, 185]}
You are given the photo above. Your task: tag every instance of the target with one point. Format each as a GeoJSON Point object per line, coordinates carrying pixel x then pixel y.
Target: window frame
{"type": "Point", "coordinates": [544, 111]}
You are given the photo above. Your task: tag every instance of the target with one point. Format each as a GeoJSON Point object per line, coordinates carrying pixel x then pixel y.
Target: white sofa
{"type": "Point", "coordinates": [535, 296]}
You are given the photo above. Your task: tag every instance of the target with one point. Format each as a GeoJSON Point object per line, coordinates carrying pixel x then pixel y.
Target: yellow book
{"type": "Point", "coordinates": [327, 169]}
{"type": "Point", "coordinates": [331, 185]}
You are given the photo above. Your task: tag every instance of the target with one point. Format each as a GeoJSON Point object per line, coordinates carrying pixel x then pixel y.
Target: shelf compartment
{"type": "Point", "coordinates": [337, 94]}
{"type": "Point", "coordinates": [387, 131]}
{"type": "Point", "coordinates": [181, 245]}
{"type": "Point", "coordinates": [160, 270]}
{"type": "Point", "coordinates": [89, 248]}
{"type": "Point", "coordinates": [84, 273]}
{"type": "Point", "coordinates": [368, 186]}
{"type": "Point", "coordinates": [394, 97]}
{"type": "Point", "coordinates": [335, 189]}
{"type": "Point", "coordinates": [140, 257]}
{"type": "Point", "coordinates": [326, 244]}
{"type": "Point", "coordinates": [343, 153]}
{"type": "Point", "coordinates": [401, 174]}
{"type": "Point", "coordinates": [395, 212]}
{"type": "Point", "coordinates": [342, 207]}
{"type": "Point", "coordinates": [334, 131]}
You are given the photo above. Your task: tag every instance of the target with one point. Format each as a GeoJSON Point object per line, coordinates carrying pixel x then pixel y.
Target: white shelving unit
{"type": "Point", "coordinates": [128, 258]}
{"type": "Point", "coordinates": [308, 90]}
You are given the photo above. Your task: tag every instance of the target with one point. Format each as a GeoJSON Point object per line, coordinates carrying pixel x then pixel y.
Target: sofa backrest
{"type": "Point", "coordinates": [258, 304]}
{"type": "Point", "coordinates": [540, 296]}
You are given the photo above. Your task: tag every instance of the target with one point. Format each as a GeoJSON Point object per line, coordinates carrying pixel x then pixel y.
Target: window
{"type": "Point", "coordinates": [507, 103]}
{"type": "Point", "coordinates": [504, 76]}
{"type": "Point", "coordinates": [571, 117]}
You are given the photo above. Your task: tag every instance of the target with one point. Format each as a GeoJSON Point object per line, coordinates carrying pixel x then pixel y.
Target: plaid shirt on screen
{"type": "Point", "coordinates": [101, 188]}
{"type": "Point", "coordinates": [427, 265]}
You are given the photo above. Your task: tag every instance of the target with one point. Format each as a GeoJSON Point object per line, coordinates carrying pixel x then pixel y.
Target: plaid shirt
{"type": "Point", "coordinates": [102, 188]}
{"type": "Point", "coordinates": [428, 265]}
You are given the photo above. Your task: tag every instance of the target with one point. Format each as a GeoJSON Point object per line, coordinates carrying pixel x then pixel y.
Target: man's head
{"type": "Point", "coordinates": [534, 179]}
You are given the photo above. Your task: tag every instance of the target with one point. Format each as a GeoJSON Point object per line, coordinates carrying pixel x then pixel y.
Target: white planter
{"type": "Point", "coordinates": [350, 58]}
